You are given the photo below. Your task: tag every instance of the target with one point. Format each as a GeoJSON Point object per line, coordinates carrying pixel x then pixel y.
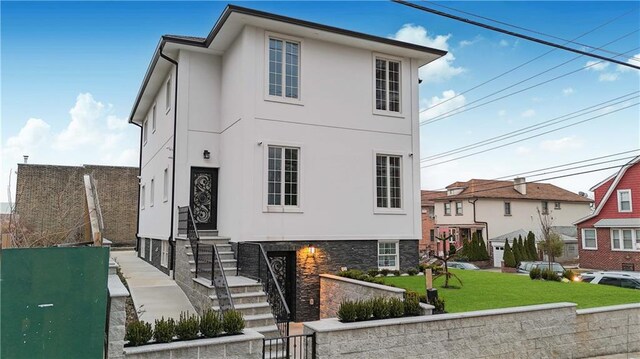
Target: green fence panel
{"type": "Point", "coordinates": [53, 302]}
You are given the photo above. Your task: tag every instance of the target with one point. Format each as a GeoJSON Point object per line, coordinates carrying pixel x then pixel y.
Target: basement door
{"type": "Point", "coordinates": [284, 269]}
{"type": "Point", "coordinates": [204, 197]}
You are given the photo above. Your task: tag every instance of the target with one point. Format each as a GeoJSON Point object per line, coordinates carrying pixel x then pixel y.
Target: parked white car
{"type": "Point", "coordinates": [617, 279]}
{"type": "Point", "coordinates": [462, 265]}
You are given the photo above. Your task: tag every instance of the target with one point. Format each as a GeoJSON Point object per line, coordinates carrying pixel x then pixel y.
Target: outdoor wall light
{"type": "Point", "coordinates": [206, 154]}
{"type": "Point", "coordinates": [312, 250]}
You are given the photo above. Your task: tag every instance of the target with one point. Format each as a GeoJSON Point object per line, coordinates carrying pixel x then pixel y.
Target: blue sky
{"type": "Point", "coordinates": [70, 72]}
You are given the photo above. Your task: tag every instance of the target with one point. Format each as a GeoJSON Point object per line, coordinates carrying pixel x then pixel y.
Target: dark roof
{"type": "Point", "coordinates": [427, 197]}
{"type": "Point", "coordinates": [480, 188]}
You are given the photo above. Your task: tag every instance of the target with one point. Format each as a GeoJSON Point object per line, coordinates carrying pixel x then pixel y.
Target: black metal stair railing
{"type": "Point", "coordinates": [253, 263]}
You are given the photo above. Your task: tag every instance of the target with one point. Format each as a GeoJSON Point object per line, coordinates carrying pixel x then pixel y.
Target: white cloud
{"type": "Point", "coordinates": [528, 113]}
{"type": "Point", "coordinates": [634, 60]}
{"type": "Point", "coordinates": [522, 150]}
{"type": "Point", "coordinates": [562, 144]}
{"type": "Point", "coordinates": [465, 43]}
{"type": "Point", "coordinates": [114, 123]}
{"type": "Point", "coordinates": [608, 76]}
{"type": "Point", "coordinates": [436, 71]}
{"type": "Point", "coordinates": [503, 43]}
{"type": "Point", "coordinates": [502, 113]}
{"type": "Point", "coordinates": [596, 65]}
{"type": "Point", "coordinates": [449, 103]}
{"type": "Point", "coordinates": [568, 91]}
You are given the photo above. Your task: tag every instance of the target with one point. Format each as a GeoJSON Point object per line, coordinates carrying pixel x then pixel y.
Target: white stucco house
{"type": "Point", "coordinates": [498, 209]}
{"type": "Point", "coordinates": [288, 133]}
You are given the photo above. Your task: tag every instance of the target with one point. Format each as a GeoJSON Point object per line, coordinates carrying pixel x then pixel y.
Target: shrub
{"type": "Point", "coordinates": [412, 271]}
{"type": "Point", "coordinates": [396, 273]}
{"type": "Point", "coordinates": [353, 274]}
{"type": "Point", "coordinates": [535, 273]}
{"type": "Point", "coordinates": [211, 324]}
{"type": "Point", "coordinates": [396, 307]}
{"type": "Point", "coordinates": [507, 257]}
{"type": "Point", "coordinates": [363, 310]}
{"type": "Point", "coordinates": [347, 311]}
{"type": "Point", "coordinates": [548, 274]}
{"type": "Point", "coordinates": [532, 246]}
{"type": "Point", "coordinates": [138, 333]}
{"type": "Point", "coordinates": [517, 253]}
{"type": "Point", "coordinates": [384, 272]}
{"type": "Point", "coordinates": [187, 327]}
{"type": "Point", "coordinates": [373, 272]}
{"type": "Point", "coordinates": [164, 330]}
{"type": "Point", "coordinates": [435, 268]}
{"type": "Point", "coordinates": [233, 322]}
{"type": "Point", "coordinates": [379, 308]}
{"type": "Point", "coordinates": [438, 304]}
{"type": "Point", "coordinates": [569, 274]}
{"type": "Point", "coordinates": [412, 304]}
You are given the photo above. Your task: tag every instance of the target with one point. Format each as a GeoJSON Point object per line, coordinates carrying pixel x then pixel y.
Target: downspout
{"type": "Point", "coordinates": [139, 176]}
{"type": "Point", "coordinates": [172, 242]}
{"type": "Point", "coordinates": [486, 225]}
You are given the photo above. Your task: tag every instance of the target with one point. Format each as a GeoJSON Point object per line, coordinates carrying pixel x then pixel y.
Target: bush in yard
{"type": "Point", "coordinates": [412, 271]}
{"type": "Point", "coordinates": [535, 273]}
{"type": "Point", "coordinates": [211, 324]}
{"type": "Point", "coordinates": [379, 308]}
{"type": "Point", "coordinates": [363, 310]}
{"type": "Point", "coordinates": [164, 330]}
{"type": "Point", "coordinates": [569, 274]}
{"type": "Point", "coordinates": [373, 272]}
{"type": "Point", "coordinates": [438, 304]}
{"type": "Point", "coordinates": [484, 254]}
{"type": "Point", "coordinates": [347, 311]}
{"type": "Point", "coordinates": [422, 267]}
{"type": "Point", "coordinates": [233, 322]}
{"type": "Point", "coordinates": [548, 274]}
{"type": "Point", "coordinates": [517, 254]}
{"type": "Point", "coordinates": [187, 326]}
{"type": "Point", "coordinates": [412, 304]}
{"type": "Point", "coordinates": [532, 246]}
{"type": "Point", "coordinates": [396, 308]}
{"type": "Point", "coordinates": [384, 272]}
{"type": "Point", "coordinates": [507, 257]}
{"type": "Point", "coordinates": [396, 272]}
{"type": "Point", "coordinates": [138, 333]}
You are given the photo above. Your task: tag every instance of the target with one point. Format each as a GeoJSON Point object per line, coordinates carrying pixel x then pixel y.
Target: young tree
{"type": "Point", "coordinates": [507, 258]}
{"type": "Point", "coordinates": [517, 256]}
{"type": "Point", "coordinates": [445, 259]}
{"type": "Point", "coordinates": [551, 244]}
{"type": "Point", "coordinates": [483, 248]}
{"type": "Point", "coordinates": [531, 238]}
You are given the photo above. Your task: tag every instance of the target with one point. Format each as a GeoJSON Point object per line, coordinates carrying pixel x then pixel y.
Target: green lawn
{"type": "Point", "coordinates": [489, 290]}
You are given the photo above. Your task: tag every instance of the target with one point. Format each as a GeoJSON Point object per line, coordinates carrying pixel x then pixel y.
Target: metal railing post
{"type": "Point", "coordinates": [196, 258]}
{"type": "Point", "coordinates": [213, 258]}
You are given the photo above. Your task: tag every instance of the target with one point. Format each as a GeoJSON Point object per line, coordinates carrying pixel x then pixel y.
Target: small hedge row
{"type": "Point", "coordinates": [379, 308]}
{"type": "Point", "coordinates": [210, 325]}
{"type": "Point", "coordinates": [545, 274]}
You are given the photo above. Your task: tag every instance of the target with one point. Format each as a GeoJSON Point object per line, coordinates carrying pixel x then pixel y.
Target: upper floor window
{"type": "Point", "coordinates": [142, 196]}
{"type": "Point", "coordinates": [145, 131]}
{"type": "Point", "coordinates": [545, 207]}
{"type": "Point", "coordinates": [388, 181]}
{"type": "Point", "coordinates": [624, 200]}
{"type": "Point", "coordinates": [167, 94]}
{"type": "Point", "coordinates": [153, 118]}
{"type": "Point", "coordinates": [283, 177]}
{"type": "Point", "coordinates": [458, 208]}
{"type": "Point", "coordinates": [284, 68]}
{"type": "Point", "coordinates": [556, 205]}
{"type": "Point", "coordinates": [152, 192]}
{"type": "Point", "coordinates": [165, 185]}
{"type": "Point", "coordinates": [507, 208]}
{"type": "Point", "coordinates": [589, 239]}
{"type": "Point", "coordinates": [447, 208]}
{"type": "Point", "coordinates": [387, 73]}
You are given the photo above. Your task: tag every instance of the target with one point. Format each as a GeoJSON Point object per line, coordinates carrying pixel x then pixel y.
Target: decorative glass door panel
{"type": "Point", "coordinates": [204, 197]}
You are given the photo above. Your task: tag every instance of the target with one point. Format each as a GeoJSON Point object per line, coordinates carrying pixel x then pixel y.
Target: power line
{"type": "Point", "coordinates": [511, 33]}
{"type": "Point", "coordinates": [531, 128]}
{"type": "Point", "coordinates": [530, 137]}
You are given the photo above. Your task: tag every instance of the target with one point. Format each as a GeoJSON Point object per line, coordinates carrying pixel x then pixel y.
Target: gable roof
{"type": "Point", "coordinates": [232, 21]}
{"type": "Point", "coordinates": [613, 186]}
{"type": "Point", "coordinates": [481, 188]}
{"type": "Point", "coordinates": [427, 196]}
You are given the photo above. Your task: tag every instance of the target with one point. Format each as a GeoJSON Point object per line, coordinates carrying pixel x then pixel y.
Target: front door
{"type": "Point", "coordinates": [204, 197]}
{"type": "Point", "coordinates": [284, 268]}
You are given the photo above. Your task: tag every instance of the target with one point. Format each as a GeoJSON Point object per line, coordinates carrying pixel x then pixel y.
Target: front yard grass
{"type": "Point", "coordinates": [490, 290]}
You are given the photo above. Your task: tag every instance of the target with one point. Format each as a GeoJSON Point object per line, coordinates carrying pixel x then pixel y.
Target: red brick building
{"type": "Point", "coordinates": [427, 243]}
{"type": "Point", "coordinates": [609, 238]}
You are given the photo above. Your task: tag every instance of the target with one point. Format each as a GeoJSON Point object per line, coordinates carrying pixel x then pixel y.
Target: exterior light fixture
{"type": "Point", "coordinates": [206, 154]}
{"type": "Point", "coordinates": [312, 250]}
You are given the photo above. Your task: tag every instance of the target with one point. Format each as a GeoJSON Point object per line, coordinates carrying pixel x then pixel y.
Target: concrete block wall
{"type": "Point", "coordinates": [607, 330]}
{"type": "Point", "coordinates": [335, 289]}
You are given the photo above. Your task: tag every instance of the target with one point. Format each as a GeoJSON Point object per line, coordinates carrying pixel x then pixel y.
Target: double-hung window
{"type": "Point", "coordinates": [388, 181]}
{"type": "Point", "coordinates": [625, 239]}
{"type": "Point", "coordinates": [447, 208]}
{"type": "Point", "coordinates": [589, 239]}
{"type": "Point", "coordinates": [458, 208]}
{"type": "Point", "coordinates": [624, 200]}
{"type": "Point", "coordinates": [545, 207]}
{"type": "Point", "coordinates": [388, 255]}
{"type": "Point", "coordinates": [387, 85]}
{"type": "Point", "coordinates": [284, 68]}
{"type": "Point", "coordinates": [283, 176]}
{"type": "Point", "coordinates": [507, 208]}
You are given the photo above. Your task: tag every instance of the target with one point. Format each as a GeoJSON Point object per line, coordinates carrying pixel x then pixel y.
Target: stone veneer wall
{"type": "Point", "coordinates": [197, 293]}
{"type": "Point", "coordinates": [247, 345]}
{"type": "Point", "coordinates": [117, 317]}
{"type": "Point", "coordinates": [539, 331]}
{"type": "Point", "coordinates": [335, 289]}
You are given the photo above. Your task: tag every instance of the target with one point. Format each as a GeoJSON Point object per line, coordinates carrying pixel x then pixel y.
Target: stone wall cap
{"type": "Point", "coordinates": [116, 288]}
{"type": "Point", "coordinates": [611, 308]}
{"type": "Point", "coordinates": [332, 324]}
{"type": "Point", "coordinates": [427, 306]}
{"type": "Point", "coordinates": [152, 348]}
{"type": "Point", "coordinates": [363, 283]}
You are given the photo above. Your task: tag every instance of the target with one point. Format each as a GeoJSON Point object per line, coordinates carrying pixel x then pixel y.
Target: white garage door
{"type": "Point", "coordinates": [498, 252]}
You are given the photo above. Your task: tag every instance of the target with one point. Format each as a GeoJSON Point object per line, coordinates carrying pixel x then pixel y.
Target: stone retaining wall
{"type": "Point", "coordinates": [118, 293]}
{"type": "Point", "coordinates": [539, 331]}
{"type": "Point", "coordinates": [334, 289]}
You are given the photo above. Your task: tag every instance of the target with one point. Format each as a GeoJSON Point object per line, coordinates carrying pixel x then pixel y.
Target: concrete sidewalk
{"type": "Point", "coordinates": [153, 292]}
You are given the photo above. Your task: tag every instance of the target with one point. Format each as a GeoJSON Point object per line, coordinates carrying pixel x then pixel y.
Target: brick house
{"type": "Point", "coordinates": [609, 238]}
{"type": "Point", "coordinates": [427, 242]}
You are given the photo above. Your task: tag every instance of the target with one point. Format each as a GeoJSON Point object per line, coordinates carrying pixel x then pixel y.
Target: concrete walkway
{"type": "Point", "coordinates": [153, 292]}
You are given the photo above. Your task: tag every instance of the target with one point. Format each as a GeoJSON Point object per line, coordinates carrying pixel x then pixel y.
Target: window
{"type": "Point", "coordinates": [388, 255]}
{"type": "Point", "coordinates": [145, 130]}
{"type": "Point", "coordinates": [589, 239]}
{"type": "Point", "coordinates": [153, 118]}
{"type": "Point", "coordinates": [447, 208]}
{"type": "Point", "coordinates": [507, 208]}
{"type": "Point", "coordinates": [151, 192]}
{"type": "Point", "coordinates": [284, 68]}
{"type": "Point", "coordinates": [625, 239]}
{"type": "Point", "coordinates": [545, 207]}
{"type": "Point", "coordinates": [430, 212]}
{"type": "Point", "coordinates": [283, 176]}
{"type": "Point", "coordinates": [624, 200]}
{"type": "Point", "coordinates": [458, 208]}
{"type": "Point", "coordinates": [387, 74]}
{"type": "Point", "coordinates": [556, 205]}
{"type": "Point", "coordinates": [388, 181]}
{"type": "Point", "coordinates": [142, 197]}
{"type": "Point", "coordinates": [167, 94]}
{"type": "Point", "coordinates": [164, 254]}
{"type": "Point", "coordinates": [432, 235]}
{"type": "Point", "coordinates": [165, 185]}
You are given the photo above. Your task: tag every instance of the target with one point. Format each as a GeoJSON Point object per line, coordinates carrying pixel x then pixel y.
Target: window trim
{"type": "Point", "coordinates": [381, 56]}
{"type": "Point", "coordinates": [634, 239]}
{"type": "Point", "coordinates": [167, 95]}
{"type": "Point", "coordinates": [145, 131]}
{"type": "Point", "coordinates": [595, 231]}
{"type": "Point", "coordinates": [388, 210]}
{"type": "Point", "coordinates": [504, 207]}
{"type": "Point", "coordinates": [266, 207]}
{"type": "Point", "coordinates": [165, 185]}
{"type": "Point", "coordinates": [628, 190]}
{"type": "Point", "coordinates": [283, 99]}
{"type": "Point", "coordinates": [397, 255]}
{"type": "Point", "coordinates": [154, 118]}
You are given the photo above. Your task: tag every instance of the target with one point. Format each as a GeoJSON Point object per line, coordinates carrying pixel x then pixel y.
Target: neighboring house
{"type": "Point", "coordinates": [428, 241]}
{"type": "Point", "coordinates": [288, 133]}
{"type": "Point", "coordinates": [609, 238]}
{"type": "Point", "coordinates": [568, 235]}
{"type": "Point", "coordinates": [50, 201]}
{"type": "Point", "coordinates": [495, 208]}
